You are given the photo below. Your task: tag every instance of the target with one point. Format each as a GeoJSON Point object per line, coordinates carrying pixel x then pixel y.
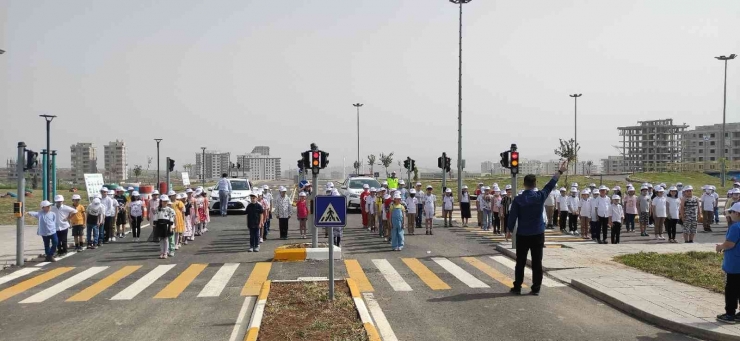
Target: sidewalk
{"type": "Point", "coordinates": [658, 300]}
{"type": "Point", "coordinates": [33, 244]}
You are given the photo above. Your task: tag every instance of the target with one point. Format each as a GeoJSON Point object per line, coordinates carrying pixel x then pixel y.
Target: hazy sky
{"type": "Point", "coordinates": [230, 75]}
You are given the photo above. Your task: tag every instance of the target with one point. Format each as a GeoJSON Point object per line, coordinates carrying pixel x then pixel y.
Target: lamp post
{"type": "Point", "coordinates": [575, 132]}
{"type": "Point", "coordinates": [203, 167]}
{"type": "Point", "coordinates": [47, 167]}
{"type": "Point", "coordinates": [724, 116]}
{"type": "Point", "coordinates": [459, 100]}
{"type": "Point", "coordinates": [158, 141]}
{"type": "Point", "coordinates": [358, 105]}
{"type": "Point", "coordinates": [2, 51]}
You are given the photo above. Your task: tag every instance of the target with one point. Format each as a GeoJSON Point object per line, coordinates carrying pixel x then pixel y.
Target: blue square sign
{"type": "Point", "coordinates": [330, 211]}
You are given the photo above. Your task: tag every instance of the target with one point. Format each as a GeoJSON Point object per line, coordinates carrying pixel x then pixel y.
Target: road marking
{"type": "Point", "coordinates": [64, 285]}
{"type": "Point", "coordinates": [256, 279]}
{"type": "Point", "coordinates": [426, 275]}
{"type": "Point", "coordinates": [32, 282]}
{"type": "Point", "coordinates": [354, 270]}
{"type": "Point", "coordinates": [105, 283]}
{"type": "Point", "coordinates": [144, 282]}
{"type": "Point", "coordinates": [490, 271]}
{"type": "Point", "coordinates": [386, 332]}
{"type": "Point", "coordinates": [239, 324]}
{"type": "Point", "coordinates": [527, 271]}
{"type": "Point", "coordinates": [17, 274]}
{"type": "Point", "coordinates": [217, 284]}
{"type": "Point", "coordinates": [69, 254]}
{"type": "Point", "coordinates": [391, 275]}
{"type": "Point", "coordinates": [461, 274]}
{"type": "Point", "coordinates": [176, 287]}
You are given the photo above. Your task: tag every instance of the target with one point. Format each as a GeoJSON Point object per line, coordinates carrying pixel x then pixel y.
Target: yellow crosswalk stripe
{"type": "Point", "coordinates": [426, 275]}
{"type": "Point", "coordinates": [176, 287]}
{"type": "Point", "coordinates": [490, 271]}
{"type": "Point", "coordinates": [354, 270]}
{"type": "Point", "coordinates": [256, 279]}
{"type": "Point", "coordinates": [30, 283]}
{"type": "Point", "coordinates": [105, 283]}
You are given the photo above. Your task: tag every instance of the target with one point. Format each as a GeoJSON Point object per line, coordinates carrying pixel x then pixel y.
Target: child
{"type": "Point", "coordinates": [731, 266]}
{"type": "Point", "coordinates": [615, 219]}
{"type": "Point", "coordinates": [63, 213]}
{"type": "Point", "coordinates": [411, 204]}
{"type": "Point", "coordinates": [429, 207]}
{"type": "Point", "coordinates": [419, 204]}
{"type": "Point", "coordinates": [47, 229]}
{"type": "Point", "coordinates": [201, 211]}
{"type": "Point", "coordinates": [690, 214]}
{"type": "Point", "coordinates": [255, 216]}
{"type": "Point", "coordinates": [708, 204]}
{"type": "Point", "coordinates": [179, 206]}
{"type": "Point", "coordinates": [379, 211]}
{"type": "Point", "coordinates": [337, 235]}
{"type": "Point", "coordinates": [465, 206]}
{"type": "Point", "coordinates": [584, 213]}
{"type": "Point", "coordinates": [630, 209]}
{"type": "Point", "coordinates": [135, 208]}
{"type": "Point", "coordinates": [387, 201]}
{"type": "Point", "coordinates": [164, 220]}
{"type": "Point", "coordinates": [673, 202]}
{"type": "Point", "coordinates": [479, 204]}
{"type": "Point", "coordinates": [121, 215]}
{"type": "Point", "coordinates": [496, 209]}
{"type": "Point", "coordinates": [302, 213]}
{"type": "Point", "coordinates": [562, 207]}
{"type": "Point", "coordinates": [370, 209]}
{"type": "Point", "coordinates": [77, 220]}
{"type": "Point", "coordinates": [734, 196]}
{"type": "Point", "coordinates": [447, 204]}
{"type": "Point", "coordinates": [397, 215]}
{"type": "Point", "coordinates": [95, 217]}
{"type": "Point", "coordinates": [573, 206]}
{"type": "Point", "coordinates": [594, 216]}
{"type": "Point", "coordinates": [487, 208]}
{"type": "Point", "coordinates": [659, 208]}
{"type": "Point", "coordinates": [190, 217]}
{"type": "Point", "coordinates": [643, 206]}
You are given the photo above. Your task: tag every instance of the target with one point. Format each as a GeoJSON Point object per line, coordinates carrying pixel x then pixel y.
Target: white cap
{"type": "Point", "coordinates": [615, 197]}
{"type": "Point", "coordinates": [449, 190]}
{"type": "Point", "coordinates": [135, 193]}
{"type": "Point", "coordinates": [130, 188]}
{"type": "Point", "coordinates": [650, 185]}
{"type": "Point", "coordinates": [385, 182]}
{"type": "Point", "coordinates": [620, 188]}
{"type": "Point", "coordinates": [412, 191]}
{"type": "Point", "coordinates": [155, 192]}
{"type": "Point", "coordinates": [418, 183]}
{"type": "Point", "coordinates": [382, 189]}
{"type": "Point", "coordinates": [496, 189]}
{"type": "Point", "coordinates": [688, 188]}
{"type": "Point", "coordinates": [198, 191]}
{"type": "Point", "coordinates": [180, 196]}
{"type": "Point", "coordinates": [465, 187]}
{"type": "Point", "coordinates": [365, 186]}
{"type": "Point", "coordinates": [45, 203]}
{"type": "Point", "coordinates": [586, 192]}
{"type": "Point", "coordinates": [401, 182]}
{"type": "Point", "coordinates": [386, 196]}
{"type": "Point", "coordinates": [267, 187]}
{"type": "Point", "coordinates": [575, 184]}
{"type": "Point", "coordinates": [562, 189]}
{"type": "Point", "coordinates": [659, 189]}
{"type": "Point", "coordinates": [188, 190]}
{"type": "Point", "coordinates": [104, 189]}
{"type": "Point", "coordinates": [673, 188]}
{"type": "Point", "coordinates": [429, 186]}
{"type": "Point", "coordinates": [119, 188]}
{"type": "Point", "coordinates": [734, 191]}
{"type": "Point", "coordinates": [372, 189]}
{"type": "Point", "coordinates": [712, 188]}
{"type": "Point", "coordinates": [480, 184]}
{"type": "Point", "coordinates": [165, 198]}
{"type": "Point", "coordinates": [602, 187]}
{"type": "Point", "coordinates": [97, 195]}
{"type": "Point", "coordinates": [736, 184]}
{"type": "Point", "coordinates": [76, 197]}
{"type": "Point", "coordinates": [96, 201]}
{"type": "Point", "coordinates": [735, 207]}
{"type": "Point", "coordinates": [630, 188]}
{"type": "Point", "coordinates": [58, 198]}
{"type": "Point", "coordinates": [643, 187]}
{"type": "Point", "coordinates": [574, 190]}
{"type": "Point", "coordinates": [486, 188]}
{"type": "Point", "coordinates": [680, 184]}
{"type": "Point", "coordinates": [302, 194]}
{"type": "Point", "coordinates": [507, 187]}
{"type": "Point", "coordinates": [662, 184]}
{"type": "Point", "coordinates": [592, 185]}
{"type": "Point", "coordinates": [330, 185]}
{"type": "Point", "coordinates": [171, 192]}
{"type": "Point", "coordinates": [595, 191]}
{"type": "Point", "coordinates": [397, 196]}
{"type": "Point", "coordinates": [282, 189]}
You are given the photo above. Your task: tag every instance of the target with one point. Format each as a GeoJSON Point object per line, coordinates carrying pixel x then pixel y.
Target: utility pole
{"type": "Point", "coordinates": [20, 203]}
{"type": "Point", "coordinates": [311, 212]}
{"type": "Point", "coordinates": [358, 164]}
{"type": "Point", "coordinates": [575, 132]}
{"type": "Point", "coordinates": [724, 117]}
{"type": "Point", "coordinates": [459, 102]}
{"type": "Point", "coordinates": [47, 165]}
{"type": "Point", "coordinates": [513, 194]}
{"type": "Point", "coordinates": [158, 141]}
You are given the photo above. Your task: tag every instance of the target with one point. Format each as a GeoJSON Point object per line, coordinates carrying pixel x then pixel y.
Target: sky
{"type": "Point", "coordinates": [229, 75]}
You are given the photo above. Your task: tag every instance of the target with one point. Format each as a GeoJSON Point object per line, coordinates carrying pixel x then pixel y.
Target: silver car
{"type": "Point", "coordinates": [352, 188]}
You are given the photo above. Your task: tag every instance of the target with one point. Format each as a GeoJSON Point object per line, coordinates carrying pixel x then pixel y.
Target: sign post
{"type": "Point", "coordinates": [331, 211]}
{"type": "Point", "coordinates": [185, 179]}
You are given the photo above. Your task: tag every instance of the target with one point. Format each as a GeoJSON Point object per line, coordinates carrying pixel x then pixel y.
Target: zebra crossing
{"type": "Point", "coordinates": [551, 236]}
{"type": "Point", "coordinates": [129, 282]}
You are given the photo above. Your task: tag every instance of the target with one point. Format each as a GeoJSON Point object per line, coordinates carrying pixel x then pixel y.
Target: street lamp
{"type": "Point", "coordinates": [575, 133]}
{"type": "Point", "coordinates": [48, 119]}
{"type": "Point", "coordinates": [724, 115]}
{"type": "Point", "coordinates": [203, 167]}
{"type": "Point", "coordinates": [158, 141]}
{"type": "Point", "coordinates": [2, 51]}
{"type": "Point", "coordinates": [358, 105]}
{"type": "Point", "coordinates": [459, 101]}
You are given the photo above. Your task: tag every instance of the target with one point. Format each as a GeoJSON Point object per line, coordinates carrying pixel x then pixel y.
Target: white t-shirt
{"type": "Point", "coordinates": [586, 207]}
{"type": "Point", "coordinates": [659, 207]}
{"type": "Point", "coordinates": [411, 204]}
{"type": "Point", "coordinates": [563, 203]}
{"type": "Point", "coordinates": [602, 206]}
{"type": "Point", "coordinates": [447, 203]}
{"type": "Point", "coordinates": [707, 202]}
{"type": "Point", "coordinates": [573, 203]}
{"type": "Point", "coordinates": [673, 205]}
{"type": "Point", "coordinates": [550, 201]}
{"type": "Point", "coordinates": [136, 208]}
{"type": "Point", "coordinates": [465, 197]}
{"type": "Point", "coordinates": [616, 212]}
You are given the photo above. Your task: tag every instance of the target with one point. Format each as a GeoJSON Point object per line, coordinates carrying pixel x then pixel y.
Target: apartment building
{"type": "Point", "coordinates": [84, 161]}
{"type": "Point", "coordinates": [115, 161]}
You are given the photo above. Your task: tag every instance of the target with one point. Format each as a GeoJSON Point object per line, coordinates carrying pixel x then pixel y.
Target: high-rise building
{"type": "Point", "coordinates": [652, 145]}
{"type": "Point", "coordinates": [613, 165]}
{"type": "Point", "coordinates": [216, 163]}
{"type": "Point", "coordinates": [490, 167]}
{"type": "Point", "coordinates": [260, 166]}
{"type": "Point", "coordinates": [264, 150]}
{"type": "Point", "coordinates": [703, 143]}
{"type": "Point", "coordinates": [84, 160]}
{"type": "Point", "coordinates": [116, 163]}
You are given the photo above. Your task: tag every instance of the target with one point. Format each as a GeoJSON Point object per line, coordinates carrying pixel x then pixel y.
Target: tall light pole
{"type": "Point", "coordinates": [575, 132]}
{"type": "Point", "coordinates": [203, 167]}
{"type": "Point", "coordinates": [48, 118]}
{"type": "Point", "coordinates": [724, 116]}
{"type": "Point", "coordinates": [158, 141]}
{"type": "Point", "coordinates": [358, 105]}
{"type": "Point", "coordinates": [2, 51]}
{"type": "Point", "coordinates": [459, 101]}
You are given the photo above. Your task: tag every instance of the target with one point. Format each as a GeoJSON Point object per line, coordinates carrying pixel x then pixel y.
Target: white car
{"type": "Point", "coordinates": [239, 198]}
{"type": "Point", "coordinates": [352, 188]}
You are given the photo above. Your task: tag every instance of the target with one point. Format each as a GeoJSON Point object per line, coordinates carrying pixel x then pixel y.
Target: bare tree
{"type": "Point", "coordinates": [371, 163]}
{"type": "Point", "coordinates": [386, 161]}
{"type": "Point", "coordinates": [568, 151]}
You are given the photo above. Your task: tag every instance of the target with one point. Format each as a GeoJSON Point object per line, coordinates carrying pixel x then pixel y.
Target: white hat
{"type": "Point", "coordinates": [595, 191]}
{"type": "Point", "coordinates": [650, 185]}
{"type": "Point", "coordinates": [104, 189]}
{"type": "Point", "coordinates": [673, 188]}
{"type": "Point", "coordinates": [96, 201]}
{"type": "Point", "coordinates": [135, 193]}
{"type": "Point", "coordinates": [386, 196]}
{"type": "Point", "coordinates": [268, 187]}
{"type": "Point", "coordinates": [659, 189]}
{"type": "Point", "coordinates": [574, 190]}
{"type": "Point", "coordinates": [485, 188]}
{"type": "Point", "coordinates": [76, 197]}
{"type": "Point", "coordinates": [253, 194]}
{"type": "Point", "coordinates": [712, 188]}
{"type": "Point", "coordinates": [119, 188]}
{"type": "Point", "coordinates": [480, 184]}
{"type": "Point", "coordinates": [575, 184]}
{"type": "Point", "coordinates": [302, 194]}
{"type": "Point", "coordinates": [620, 188]}
{"type": "Point", "coordinates": [586, 192]}
{"type": "Point", "coordinates": [130, 188]}
{"type": "Point", "coordinates": [397, 196]}
{"type": "Point", "coordinates": [495, 184]}
{"type": "Point", "coordinates": [449, 190]}
{"type": "Point", "coordinates": [630, 188]}
{"type": "Point", "coordinates": [155, 192]}
{"type": "Point", "coordinates": [365, 186]}
{"type": "Point", "coordinates": [603, 188]}
{"type": "Point", "coordinates": [372, 189]}
{"type": "Point", "coordinates": [562, 189]}
{"type": "Point", "coordinates": [412, 191]}
{"type": "Point", "coordinates": [330, 184]}
{"type": "Point", "coordinates": [418, 183]}
{"type": "Point", "coordinates": [592, 185]}
{"type": "Point", "coordinates": [643, 187]}
{"type": "Point", "coordinates": [680, 184]}
{"type": "Point", "coordinates": [382, 189]}
{"type": "Point", "coordinates": [662, 184]}
{"type": "Point", "coordinates": [734, 191]}
{"type": "Point", "coordinates": [180, 196]}
{"type": "Point", "coordinates": [171, 192]}
{"type": "Point", "coordinates": [164, 198]}
{"type": "Point", "coordinates": [496, 189]}
{"type": "Point", "coordinates": [282, 189]}
{"type": "Point", "coordinates": [465, 186]}
{"type": "Point", "coordinates": [188, 190]}
{"type": "Point", "coordinates": [615, 197]}
{"type": "Point", "coordinates": [429, 186]}
{"type": "Point", "coordinates": [688, 188]}
{"type": "Point", "coordinates": [507, 187]}
{"type": "Point", "coordinates": [45, 203]}
{"type": "Point", "coordinates": [735, 207]}
{"type": "Point", "coordinates": [737, 184]}
{"type": "Point", "coordinates": [615, 189]}
{"type": "Point", "coordinates": [198, 191]}
{"type": "Point", "coordinates": [58, 198]}
{"type": "Point", "coordinates": [401, 182]}
{"type": "Point", "coordinates": [97, 195]}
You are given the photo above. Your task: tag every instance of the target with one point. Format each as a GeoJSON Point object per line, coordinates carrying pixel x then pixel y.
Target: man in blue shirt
{"type": "Point", "coordinates": [731, 265]}
{"type": "Point", "coordinates": [224, 190]}
{"type": "Point", "coordinates": [526, 210]}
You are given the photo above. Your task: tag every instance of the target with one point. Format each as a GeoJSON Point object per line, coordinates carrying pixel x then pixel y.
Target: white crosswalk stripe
{"type": "Point", "coordinates": [64, 285]}
{"type": "Point", "coordinates": [391, 275]}
{"type": "Point", "coordinates": [137, 287]}
{"type": "Point", "coordinates": [461, 274]}
{"type": "Point", "coordinates": [527, 271]}
{"type": "Point", "coordinates": [17, 274]}
{"type": "Point", "coordinates": [218, 282]}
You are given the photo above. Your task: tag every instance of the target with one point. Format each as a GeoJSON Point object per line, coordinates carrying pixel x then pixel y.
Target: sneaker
{"type": "Point", "coordinates": [534, 292]}
{"type": "Point", "coordinates": [257, 249]}
{"type": "Point", "coordinates": [262, 240]}
{"type": "Point", "coordinates": [250, 250]}
{"type": "Point", "coordinates": [164, 257]}
{"type": "Point", "coordinates": [725, 318]}
{"type": "Point", "coordinates": [113, 239]}
{"type": "Point", "coordinates": [516, 291]}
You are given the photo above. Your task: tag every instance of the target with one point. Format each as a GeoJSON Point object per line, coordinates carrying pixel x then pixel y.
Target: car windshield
{"type": "Point", "coordinates": [236, 186]}
{"type": "Point", "coordinates": [357, 183]}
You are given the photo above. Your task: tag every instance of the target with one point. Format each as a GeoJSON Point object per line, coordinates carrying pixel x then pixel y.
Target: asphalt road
{"type": "Point", "coordinates": [468, 300]}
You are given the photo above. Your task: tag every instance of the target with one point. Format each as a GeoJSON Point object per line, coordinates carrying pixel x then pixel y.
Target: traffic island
{"type": "Point", "coordinates": [303, 251]}
{"type": "Point", "coordinates": [301, 310]}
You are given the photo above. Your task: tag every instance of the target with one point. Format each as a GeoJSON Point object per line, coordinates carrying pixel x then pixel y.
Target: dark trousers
{"type": "Point", "coordinates": [563, 219]}
{"type": "Point", "coordinates": [136, 226]}
{"type": "Point", "coordinates": [337, 240]}
{"type": "Point", "coordinates": [604, 223]}
{"type": "Point", "coordinates": [555, 215]}
{"type": "Point", "coordinates": [732, 293]}
{"type": "Point", "coordinates": [108, 228]}
{"type": "Point", "coordinates": [254, 237]}
{"type": "Point", "coordinates": [496, 222]}
{"type": "Point", "coordinates": [525, 244]}
{"type": "Point", "coordinates": [670, 227]}
{"type": "Point", "coordinates": [594, 229]}
{"type": "Point", "coordinates": [267, 225]}
{"type": "Point", "coordinates": [62, 239]}
{"type": "Point", "coordinates": [573, 222]}
{"type": "Point", "coordinates": [629, 221]}
{"type": "Point", "coordinates": [616, 231]}
{"type": "Point", "coordinates": [283, 223]}
{"type": "Point", "coordinates": [420, 212]}
{"type": "Point", "coordinates": [650, 220]}
{"type": "Point", "coordinates": [50, 244]}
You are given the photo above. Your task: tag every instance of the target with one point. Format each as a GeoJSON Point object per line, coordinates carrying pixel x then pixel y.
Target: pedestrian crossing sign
{"type": "Point", "coordinates": [331, 211]}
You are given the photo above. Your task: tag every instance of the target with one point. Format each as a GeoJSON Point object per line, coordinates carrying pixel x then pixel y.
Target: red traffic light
{"type": "Point", "coordinates": [315, 155]}
{"type": "Point", "coordinates": [514, 155]}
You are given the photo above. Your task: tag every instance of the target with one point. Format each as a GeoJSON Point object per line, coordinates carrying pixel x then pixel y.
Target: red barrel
{"type": "Point", "coordinates": [163, 188]}
{"type": "Point", "coordinates": [146, 189]}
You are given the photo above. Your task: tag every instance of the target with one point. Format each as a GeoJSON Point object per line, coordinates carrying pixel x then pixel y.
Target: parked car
{"type": "Point", "coordinates": [239, 199]}
{"type": "Point", "coordinates": [352, 188]}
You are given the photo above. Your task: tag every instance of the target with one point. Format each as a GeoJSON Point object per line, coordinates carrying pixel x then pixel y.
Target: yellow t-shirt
{"type": "Point", "coordinates": [79, 217]}
{"type": "Point", "coordinates": [178, 206]}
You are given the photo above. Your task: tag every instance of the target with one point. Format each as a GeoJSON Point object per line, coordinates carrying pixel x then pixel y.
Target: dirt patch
{"type": "Point", "coordinates": [302, 311]}
{"type": "Point", "coordinates": [303, 245]}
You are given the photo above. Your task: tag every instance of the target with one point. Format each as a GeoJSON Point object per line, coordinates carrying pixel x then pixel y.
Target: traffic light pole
{"type": "Point", "coordinates": [314, 229]}
{"type": "Point", "coordinates": [20, 221]}
{"type": "Point", "coordinates": [167, 177]}
{"type": "Point", "coordinates": [513, 194]}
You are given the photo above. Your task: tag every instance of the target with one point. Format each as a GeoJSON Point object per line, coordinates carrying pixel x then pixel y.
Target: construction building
{"type": "Point", "coordinates": [116, 163]}
{"type": "Point", "coordinates": [703, 143]}
{"type": "Point", "coordinates": [652, 146]}
{"type": "Point", "coordinates": [84, 161]}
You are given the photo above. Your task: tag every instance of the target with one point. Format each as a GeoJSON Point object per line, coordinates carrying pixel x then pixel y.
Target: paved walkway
{"type": "Point", "coordinates": [33, 245]}
{"type": "Point", "coordinates": [658, 300]}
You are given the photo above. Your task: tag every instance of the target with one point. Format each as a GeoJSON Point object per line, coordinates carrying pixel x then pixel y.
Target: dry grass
{"type": "Point", "coordinates": [303, 311]}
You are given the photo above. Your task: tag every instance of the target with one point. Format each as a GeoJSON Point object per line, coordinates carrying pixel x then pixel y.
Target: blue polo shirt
{"type": "Point", "coordinates": [526, 209]}
{"type": "Point", "coordinates": [731, 260]}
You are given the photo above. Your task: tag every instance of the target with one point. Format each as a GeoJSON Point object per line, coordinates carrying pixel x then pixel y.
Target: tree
{"type": "Point", "coordinates": [137, 172]}
{"type": "Point", "coordinates": [589, 164]}
{"type": "Point", "coordinates": [416, 174]}
{"type": "Point", "coordinates": [386, 161]}
{"type": "Point", "coordinates": [567, 151]}
{"type": "Point", "coordinates": [371, 163]}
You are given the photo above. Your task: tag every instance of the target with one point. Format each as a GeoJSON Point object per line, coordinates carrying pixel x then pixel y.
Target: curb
{"type": "Point", "coordinates": [259, 308]}
{"type": "Point", "coordinates": [302, 254]}
{"type": "Point", "coordinates": [367, 321]}
{"type": "Point", "coordinates": [654, 319]}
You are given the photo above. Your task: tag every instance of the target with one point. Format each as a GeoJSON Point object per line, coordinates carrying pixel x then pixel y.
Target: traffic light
{"type": "Point", "coordinates": [32, 159]}
{"type": "Point", "coordinates": [448, 164]}
{"type": "Point", "coordinates": [306, 160]}
{"type": "Point", "coordinates": [300, 164]}
{"type": "Point", "coordinates": [505, 159]}
{"type": "Point", "coordinates": [514, 163]}
{"type": "Point", "coordinates": [413, 165]}
{"type": "Point", "coordinates": [324, 159]}
{"type": "Point", "coordinates": [315, 158]}
{"type": "Point", "coordinates": [407, 164]}
{"type": "Point", "coordinates": [439, 162]}
{"type": "Point", "coordinates": [442, 161]}
{"type": "Point", "coordinates": [171, 164]}
{"type": "Point", "coordinates": [238, 165]}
